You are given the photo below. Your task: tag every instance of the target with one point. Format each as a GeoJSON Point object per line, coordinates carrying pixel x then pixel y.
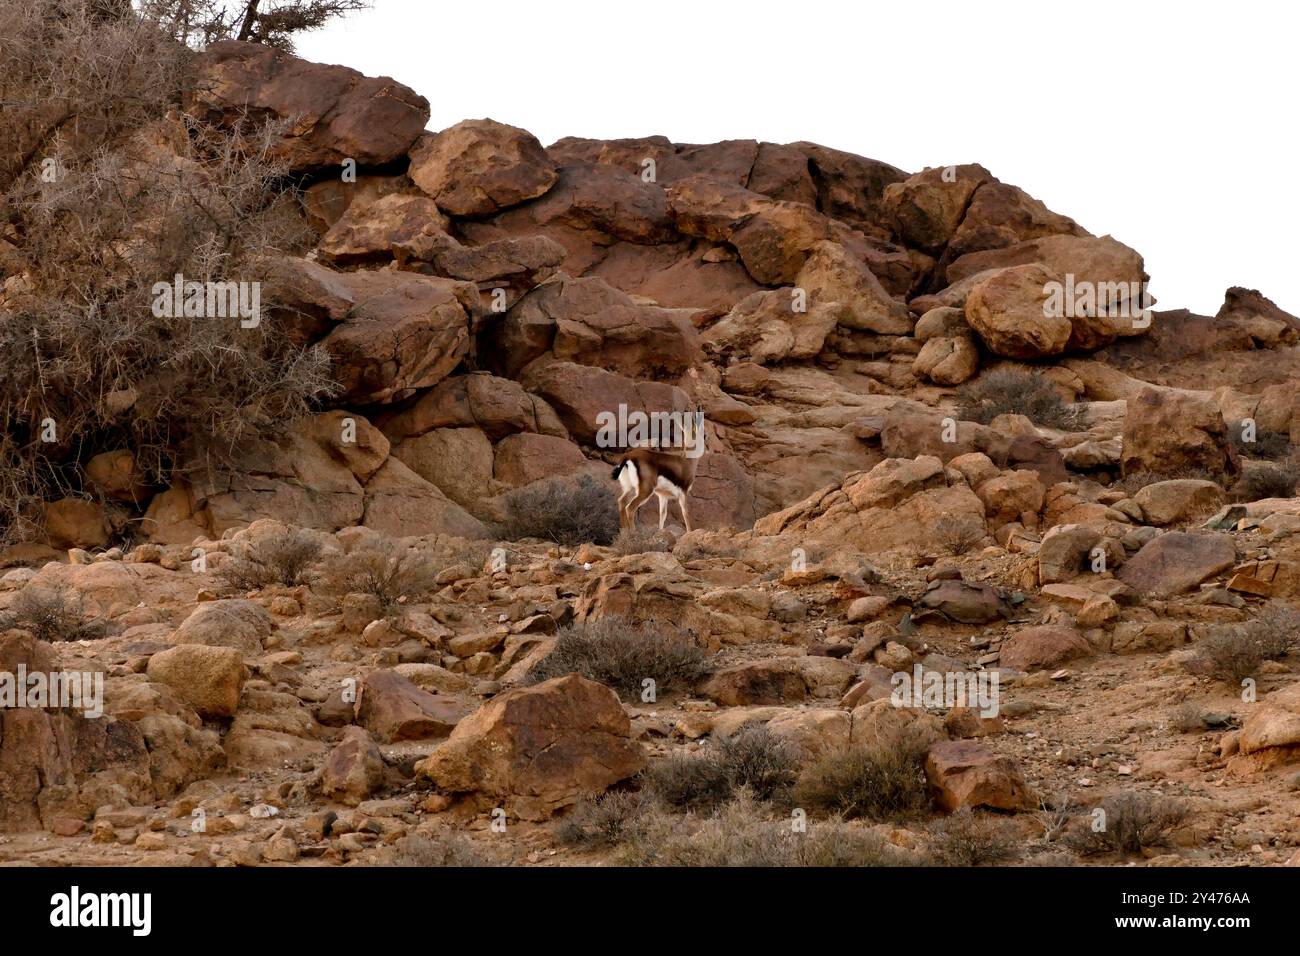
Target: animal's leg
{"type": "Point", "coordinates": [624, 500]}
{"type": "Point", "coordinates": [641, 498]}
{"type": "Point", "coordinates": [686, 515]}
{"type": "Point", "coordinates": [663, 511]}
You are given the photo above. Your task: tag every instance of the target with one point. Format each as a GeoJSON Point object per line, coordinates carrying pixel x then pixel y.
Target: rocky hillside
{"type": "Point", "coordinates": [947, 438]}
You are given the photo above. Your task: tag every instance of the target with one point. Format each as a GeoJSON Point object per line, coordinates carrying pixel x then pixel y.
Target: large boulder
{"type": "Point", "coordinates": [393, 708]}
{"type": "Point", "coordinates": [496, 406]}
{"type": "Point", "coordinates": [479, 167]}
{"type": "Point", "coordinates": [1180, 499]}
{"type": "Point", "coordinates": [765, 328]}
{"type": "Point", "coordinates": [1176, 562]}
{"type": "Point", "coordinates": [1001, 215]}
{"type": "Point", "coordinates": [1008, 311]}
{"type": "Point", "coordinates": [832, 274]}
{"type": "Point", "coordinates": [1038, 648]}
{"type": "Point", "coordinates": [57, 762]}
{"type": "Point", "coordinates": [334, 113]}
{"type": "Point", "coordinates": [404, 332]}
{"type": "Point", "coordinates": [372, 230]}
{"type": "Point", "coordinates": [589, 322]}
{"type": "Point", "coordinates": [399, 502]}
{"type": "Point", "coordinates": [77, 523]}
{"type": "Point", "coordinates": [206, 678]}
{"type": "Point", "coordinates": [536, 750]}
{"type": "Point", "coordinates": [580, 393]}
{"type": "Point", "coordinates": [963, 773]}
{"type": "Point", "coordinates": [1167, 431]}
{"type": "Point", "coordinates": [896, 505]}
{"type": "Point", "coordinates": [354, 769]}
{"type": "Point", "coordinates": [928, 207]}
{"type": "Point", "coordinates": [243, 625]}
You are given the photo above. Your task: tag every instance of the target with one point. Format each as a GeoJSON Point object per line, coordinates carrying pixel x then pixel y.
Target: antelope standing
{"type": "Point", "coordinates": [643, 472]}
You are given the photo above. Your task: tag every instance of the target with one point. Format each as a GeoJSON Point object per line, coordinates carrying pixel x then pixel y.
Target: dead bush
{"type": "Point", "coordinates": [51, 616]}
{"type": "Point", "coordinates": [1232, 654]}
{"type": "Point", "coordinates": [958, 534]}
{"type": "Point", "coordinates": [1267, 446]}
{"type": "Point", "coordinates": [387, 569]}
{"type": "Point", "coordinates": [285, 558]}
{"type": "Point", "coordinates": [1128, 823]}
{"type": "Point", "coordinates": [622, 655]}
{"type": "Point", "coordinates": [1013, 392]}
{"type": "Point", "coordinates": [882, 782]}
{"type": "Point", "coordinates": [761, 762]}
{"type": "Point", "coordinates": [1275, 479]}
{"type": "Point", "coordinates": [966, 839]}
{"type": "Point", "coordinates": [106, 189]}
{"type": "Point", "coordinates": [565, 510]}
{"type": "Point", "coordinates": [443, 848]}
{"type": "Point", "coordinates": [1053, 816]}
{"type": "Point", "coordinates": [689, 783]}
{"type": "Point", "coordinates": [640, 540]}
{"type": "Point", "coordinates": [739, 836]}
{"type": "Point", "coordinates": [604, 821]}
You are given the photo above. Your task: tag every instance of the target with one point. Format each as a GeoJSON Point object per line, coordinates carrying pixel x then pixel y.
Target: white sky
{"type": "Point", "coordinates": [1169, 125]}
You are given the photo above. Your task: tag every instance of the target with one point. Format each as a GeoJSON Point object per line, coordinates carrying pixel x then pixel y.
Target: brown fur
{"type": "Point", "coordinates": [650, 465]}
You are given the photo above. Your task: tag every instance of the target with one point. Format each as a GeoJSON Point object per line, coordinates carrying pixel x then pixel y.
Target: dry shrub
{"type": "Point", "coordinates": [740, 836]}
{"type": "Point", "coordinates": [753, 761]}
{"type": "Point", "coordinates": [139, 194]}
{"type": "Point", "coordinates": [286, 558]}
{"type": "Point", "coordinates": [442, 848]}
{"type": "Point", "coordinates": [1053, 816]}
{"type": "Point", "coordinates": [51, 616]}
{"type": "Point", "coordinates": [689, 783]}
{"type": "Point", "coordinates": [386, 568]}
{"type": "Point", "coordinates": [761, 762]}
{"type": "Point", "coordinates": [958, 534]}
{"type": "Point", "coordinates": [1269, 446]}
{"type": "Point", "coordinates": [1232, 654]}
{"type": "Point", "coordinates": [1275, 479]}
{"type": "Point", "coordinates": [604, 821]}
{"type": "Point", "coordinates": [883, 782]}
{"type": "Point", "coordinates": [640, 540]}
{"type": "Point", "coordinates": [621, 655]}
{"type": "Point", "coordinates": [565, 510]}
{"type": "Point", "coordinates": [967, 839]}
{"type": "Point", "coordinates": [1133, 822]}
{"type": "Point", "coordinates": [1013, 392]}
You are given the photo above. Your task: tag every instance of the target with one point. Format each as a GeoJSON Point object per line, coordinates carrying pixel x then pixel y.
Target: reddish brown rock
{"type": "Point", "coordinates": [336, 113]}
{"type": "Point", "coordinates": [1167, 430]}
{"type": "Point", "coordinates": [536, 750]}
{"type": "Point", "coordinates": [354, 769]}
{"type": "Point", "coordinates": [479, 167]}
{"type": "Point", "coordinates": [392, 708]}
{"type": "Point", "coordinates": [965, 774]}
{"type": "Point", "coordinates": [1038, 648]}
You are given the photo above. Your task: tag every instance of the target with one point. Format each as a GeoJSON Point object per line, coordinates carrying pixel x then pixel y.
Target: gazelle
{"type": "Point", "coordinates": [643, 472]}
